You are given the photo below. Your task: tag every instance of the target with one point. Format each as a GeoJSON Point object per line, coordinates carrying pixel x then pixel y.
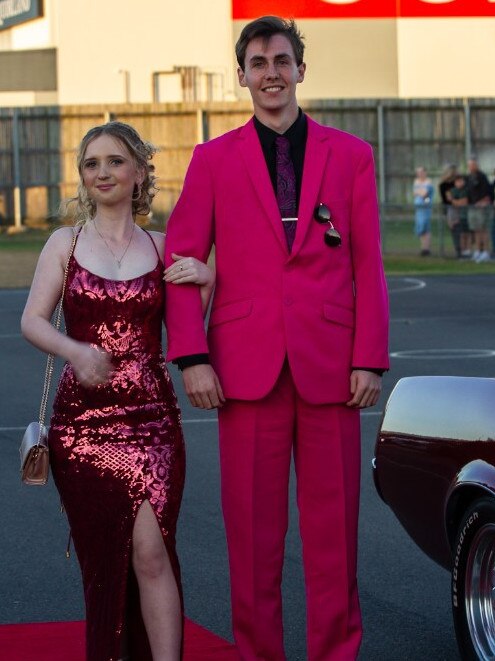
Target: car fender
{"type": "Point", "coordinates": [475, 480]}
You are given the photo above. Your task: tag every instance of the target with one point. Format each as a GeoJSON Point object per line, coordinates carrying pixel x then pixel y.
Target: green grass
{"type": "Point", "coordinates": [398, 237]}
{"type": "Point", "coordinates": [30, 240]}
{"type": "Point", "coordinates": [408, 265]}
{"type": "Point", "coordinates": [401, 248]}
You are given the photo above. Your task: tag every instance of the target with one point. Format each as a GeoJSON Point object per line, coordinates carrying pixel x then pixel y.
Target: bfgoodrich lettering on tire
{"type": "Point", "coordinates": [473, 582]}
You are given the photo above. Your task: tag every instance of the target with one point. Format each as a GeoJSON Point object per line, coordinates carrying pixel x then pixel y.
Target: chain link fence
{"type": "Point", "coordinates": [37, 151]}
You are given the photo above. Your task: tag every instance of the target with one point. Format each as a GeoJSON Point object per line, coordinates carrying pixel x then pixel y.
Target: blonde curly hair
{"type": "Point", "coordinates": [141, 152]}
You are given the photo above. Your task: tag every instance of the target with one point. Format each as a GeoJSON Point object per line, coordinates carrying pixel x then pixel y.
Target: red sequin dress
{"type": "Point", "coordinates": [115, 446]}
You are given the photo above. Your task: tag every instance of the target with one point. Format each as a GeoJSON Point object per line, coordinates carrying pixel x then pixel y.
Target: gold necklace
{"type": "Point", "coordinates": [119, 261]}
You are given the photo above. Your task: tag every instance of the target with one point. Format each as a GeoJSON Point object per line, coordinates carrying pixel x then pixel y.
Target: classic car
{"type": "Point", "coordinates": [434, 466]}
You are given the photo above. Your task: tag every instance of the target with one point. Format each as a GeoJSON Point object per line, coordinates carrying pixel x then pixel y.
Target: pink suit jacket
{"type": "Point", "coordinates": [324, 308]}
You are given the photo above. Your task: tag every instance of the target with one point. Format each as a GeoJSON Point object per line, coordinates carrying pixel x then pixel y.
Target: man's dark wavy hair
{"type": "Point", "coordinates": [264, 28]}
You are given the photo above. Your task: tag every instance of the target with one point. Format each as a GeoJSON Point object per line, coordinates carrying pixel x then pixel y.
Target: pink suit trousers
{"type": "Point", "coordinates": [257, 439]}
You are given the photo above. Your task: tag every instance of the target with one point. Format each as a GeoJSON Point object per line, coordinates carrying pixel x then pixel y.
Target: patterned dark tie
{"type": "Point", "coordinates": [286, 187]}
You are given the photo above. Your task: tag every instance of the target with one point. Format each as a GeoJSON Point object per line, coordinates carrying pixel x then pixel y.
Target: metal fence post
{"type": "Point", "coordinates": [468, 147]}
{"type": "Point", "coordinates": [201, 126]}
{"type": "Point", "coordinates": [16, 166]}
{"type": "Point", "coordinates": [381, 171]}
{"type": "Point", "coordinates": [382, 193]}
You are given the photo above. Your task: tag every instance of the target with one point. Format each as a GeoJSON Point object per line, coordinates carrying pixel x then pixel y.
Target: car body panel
{"type": "Point", "coordinates": [475, 480]}
{"type": "Point", "coordinates": [435, 451]}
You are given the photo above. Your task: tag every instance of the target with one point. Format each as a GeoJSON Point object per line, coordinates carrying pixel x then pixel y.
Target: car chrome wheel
{"type": "Point", "coordinates": [480, 592]}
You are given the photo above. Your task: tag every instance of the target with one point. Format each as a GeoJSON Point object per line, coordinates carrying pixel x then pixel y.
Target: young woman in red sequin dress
{"type": "Point", "coordinates": [116, 445]}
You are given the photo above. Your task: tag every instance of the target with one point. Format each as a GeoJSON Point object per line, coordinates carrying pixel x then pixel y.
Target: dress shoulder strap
{"type": "Point", "coordinates": [154, 245]}
{"type": "Point", "coordinates": [77, 231]}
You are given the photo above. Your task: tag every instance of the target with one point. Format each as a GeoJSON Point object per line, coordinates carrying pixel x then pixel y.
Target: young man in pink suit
{"type": "Point", "coordinates": [296, 345]}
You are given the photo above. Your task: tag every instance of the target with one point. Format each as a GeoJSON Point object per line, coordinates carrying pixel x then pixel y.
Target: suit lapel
{"type": "Point", "coordinates": [258, 173]}
{"type": "Point", "coordinates": [315, 160]}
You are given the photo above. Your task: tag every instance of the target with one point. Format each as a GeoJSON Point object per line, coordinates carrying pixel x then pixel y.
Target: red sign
{"type": "Point", "coordinates": [427, 8]}
{"type": "Point", "coordinates": [249, 9]}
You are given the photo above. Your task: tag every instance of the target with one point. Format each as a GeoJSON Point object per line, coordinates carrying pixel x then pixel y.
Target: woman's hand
{"type": "Point", "coordinates": [92, 365]}
{"type": "Point", "coordinates": [189, 270]}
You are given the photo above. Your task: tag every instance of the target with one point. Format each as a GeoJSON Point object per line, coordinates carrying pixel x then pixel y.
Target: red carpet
{"type": "Point", "coordinates": [64, 641]}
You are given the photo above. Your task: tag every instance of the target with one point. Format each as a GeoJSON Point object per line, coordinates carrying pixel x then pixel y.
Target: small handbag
{"type": "Point", "coordinates": [34, 446]}
{"type": "Point", "coordinates": [34, 454]}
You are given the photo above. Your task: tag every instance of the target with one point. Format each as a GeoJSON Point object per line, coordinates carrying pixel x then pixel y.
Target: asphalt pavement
{"type": "Point", "coordinates": [440, 326]}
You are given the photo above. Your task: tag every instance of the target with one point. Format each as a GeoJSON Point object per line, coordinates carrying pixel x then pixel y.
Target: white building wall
{"type": "Point", "coordinates": [109, 50]}
{"type": "Point", "coordinates": [448, 57]}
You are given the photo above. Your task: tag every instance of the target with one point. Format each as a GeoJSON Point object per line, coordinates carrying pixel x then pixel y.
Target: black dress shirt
{"type": "Point", "coordinates": [297, 134]}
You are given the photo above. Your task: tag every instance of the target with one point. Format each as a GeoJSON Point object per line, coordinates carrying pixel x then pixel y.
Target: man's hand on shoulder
{"type": "Point", "coordinates": [203, 387]}
{"type": "Point", "coordinates": [365, 388]}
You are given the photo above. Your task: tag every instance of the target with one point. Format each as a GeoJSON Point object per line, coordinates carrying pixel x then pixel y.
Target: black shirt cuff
{"type": "Point", "coordinates": [375, 370]}
{"type": "Point", "coordinates": [193, 359]}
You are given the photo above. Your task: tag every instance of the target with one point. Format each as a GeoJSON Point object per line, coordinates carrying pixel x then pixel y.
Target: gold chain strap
{"type": "Point", "coordinates": [56, 325]}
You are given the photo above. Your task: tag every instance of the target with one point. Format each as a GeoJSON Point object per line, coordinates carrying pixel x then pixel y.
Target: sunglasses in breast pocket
{"type": "Point", "coordinates": [323, 215]}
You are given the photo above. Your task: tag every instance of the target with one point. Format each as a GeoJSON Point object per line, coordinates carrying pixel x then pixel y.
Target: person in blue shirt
{"type": "Point", "coordinates": [423, 199]}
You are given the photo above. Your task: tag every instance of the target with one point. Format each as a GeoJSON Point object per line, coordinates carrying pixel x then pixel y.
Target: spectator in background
{"type": "Point", "coordinates": [480, 208]}
{"type": "Point", "coordinates": [423, 197]}
{"type": "Point", "coordinates": [457, 216]}
{"type": "Point", "coordinates": [493, 218]}
{"type": "Point", "coordinates": [449, 212]}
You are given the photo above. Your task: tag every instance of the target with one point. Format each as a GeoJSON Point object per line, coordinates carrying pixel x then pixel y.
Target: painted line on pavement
{"type": "Point", "coordinates": [411, 284]}
{"type": "Point", "coordinates": [443, 354]}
